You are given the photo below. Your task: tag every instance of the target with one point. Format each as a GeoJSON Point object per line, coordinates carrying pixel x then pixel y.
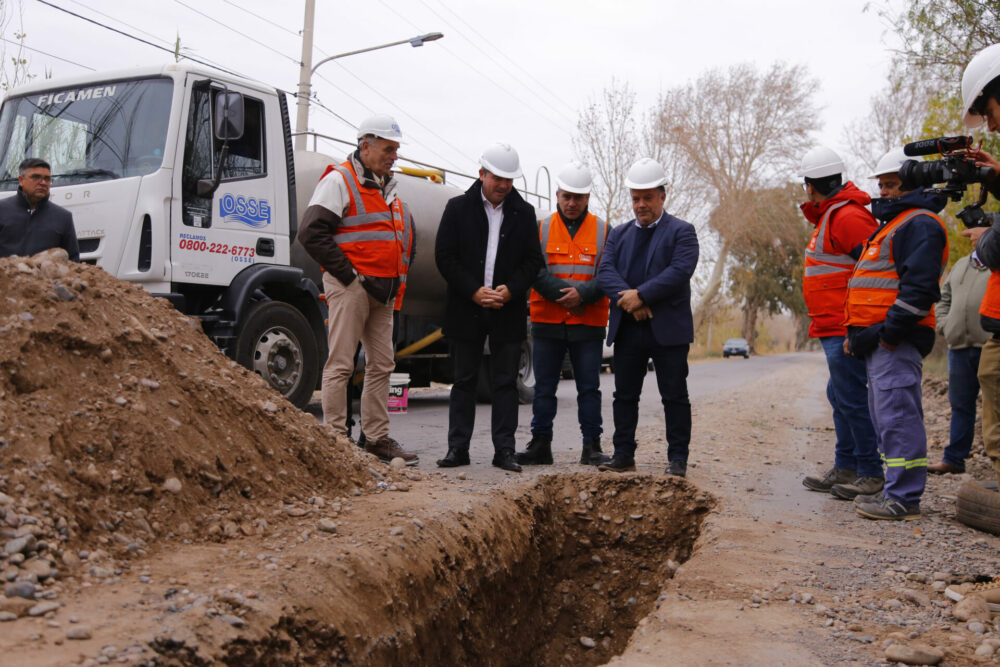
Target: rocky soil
{"type": "Point", "coordinates": [160, 505]}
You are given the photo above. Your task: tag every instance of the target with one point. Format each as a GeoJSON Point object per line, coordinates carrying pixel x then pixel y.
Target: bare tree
{"type": "Point", "coordinates": [607, 141]}
{"type": "Point", "coordinates": [15, 66]}
{"type": "Point", "coordinates": [734, 132]}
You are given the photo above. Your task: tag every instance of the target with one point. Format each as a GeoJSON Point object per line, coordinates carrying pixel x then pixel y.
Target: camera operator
{"type": "Point", "coordinates": [981, 100]}
{"type": "Point", "coordinates": [890, 324]}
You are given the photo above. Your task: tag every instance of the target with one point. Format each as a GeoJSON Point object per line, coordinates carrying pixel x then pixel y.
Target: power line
{"type": "Point", "coordinates": [45, 53]}
{"type": "Point", "coordinates": [264, 19]}
{"type": "Point", "coordinates": [138, 39]}
{"type": "Point", "coordinates": [118, 20]}
{"type": "Point", "coordinates": [242, 34]}
{"type": "Point", "coordinates": [485, 76]}
{"type": "Point", "coordinates": [541, 86]}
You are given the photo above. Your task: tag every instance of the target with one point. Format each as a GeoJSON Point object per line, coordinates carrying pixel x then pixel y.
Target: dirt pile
{"type": "Point", "coordinates": [120, 423]}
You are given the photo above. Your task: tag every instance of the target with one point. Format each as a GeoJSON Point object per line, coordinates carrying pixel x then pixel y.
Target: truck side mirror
{"type": "Point", "coordinates": [228, 116]}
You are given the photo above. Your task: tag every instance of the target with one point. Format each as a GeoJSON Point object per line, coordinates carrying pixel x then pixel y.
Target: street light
{"type": "Point", "coordinates": [302, 115]}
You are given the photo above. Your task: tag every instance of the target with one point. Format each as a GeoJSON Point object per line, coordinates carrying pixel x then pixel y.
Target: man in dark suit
{"type": "Point", "coordinates": [646, 272]}
{"type": "Point", "coordinates": [488, 252]}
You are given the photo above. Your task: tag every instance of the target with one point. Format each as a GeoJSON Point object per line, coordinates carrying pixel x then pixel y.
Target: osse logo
{"type": "Point", "coordinates": [247, 210]}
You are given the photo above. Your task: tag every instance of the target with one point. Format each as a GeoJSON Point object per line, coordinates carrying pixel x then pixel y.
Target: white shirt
{"type": "Point", "coordinates": [494, 216]}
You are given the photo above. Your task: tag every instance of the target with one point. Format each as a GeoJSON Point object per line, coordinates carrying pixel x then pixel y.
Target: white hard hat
{"type": "Point", "coordinates": [380, 125]}
{"type": "Point", "coordinates": [821, 162]}
{"type": "Point", "coordinates": [501, 160]}
{"type": "Point", "coordinates": [574, 177]}
{"type": "Point", "coordinates": [983, 68]}
{"type": "Point", "coordinates": [890, 163]}
{"type": "Point", "coordinates": [645, 174]}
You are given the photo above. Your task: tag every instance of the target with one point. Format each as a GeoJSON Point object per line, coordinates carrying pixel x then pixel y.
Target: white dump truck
{"type": "Point", "coordinates": [183, 180]}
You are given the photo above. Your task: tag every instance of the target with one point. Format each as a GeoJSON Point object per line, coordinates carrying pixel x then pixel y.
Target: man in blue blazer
{"type": "Point", "coordinates": [646, 272]}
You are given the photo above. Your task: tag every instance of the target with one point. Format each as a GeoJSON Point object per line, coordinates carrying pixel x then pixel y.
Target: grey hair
{"type": "Point", "coordinates": [32, 163]}
{"type": "Point", "coordinates": [370, 138]}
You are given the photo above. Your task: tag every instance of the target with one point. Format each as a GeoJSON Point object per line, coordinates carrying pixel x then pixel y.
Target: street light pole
{"type": "Point", "coordinates": [306, 72]}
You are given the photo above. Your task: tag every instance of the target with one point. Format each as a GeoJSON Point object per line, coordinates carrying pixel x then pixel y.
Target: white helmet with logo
{"type": "Point", "coordinates": [574, 177]}
{"type": "Point", "coordinates": [821, 162]}
{"type": "Point", "coordinates": [983, 68]}
{"type": "Point", "coordinates": [645, 174]}
{"type": "Point", "coordinates": [890, 163]}
{"type": "Point", "coordinates": [501, 160]}
{"type": "Point", "coordinates": [382, 126]}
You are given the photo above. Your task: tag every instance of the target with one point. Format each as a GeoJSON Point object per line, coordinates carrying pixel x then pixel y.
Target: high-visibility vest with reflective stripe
{"type": "Point", "coordinates": [573, 259]}
{"type": "Point", "coordinates": [373, 234]}
{"type": "Point", "coordinates": [404, 268]}
{"type": "Point", "coordinates": [824, 284]}
{"type": "Point", "coordinates": [874, 285]}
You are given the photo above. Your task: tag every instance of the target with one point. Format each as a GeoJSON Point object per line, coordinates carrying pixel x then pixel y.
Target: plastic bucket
{"type": "Point", "coordinates": [399, 384]}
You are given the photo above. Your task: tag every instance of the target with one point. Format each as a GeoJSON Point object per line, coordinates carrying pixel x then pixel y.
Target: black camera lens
{"type": "Point", "coordinates": [916, 174]}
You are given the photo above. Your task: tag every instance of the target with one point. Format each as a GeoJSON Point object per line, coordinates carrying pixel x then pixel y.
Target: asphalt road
{"type": "Point", "coordinates": [424, 427]}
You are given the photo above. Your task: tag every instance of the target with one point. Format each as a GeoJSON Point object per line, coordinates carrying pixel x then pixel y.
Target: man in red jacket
{"type": "Point", "coordinates": [837, 209]}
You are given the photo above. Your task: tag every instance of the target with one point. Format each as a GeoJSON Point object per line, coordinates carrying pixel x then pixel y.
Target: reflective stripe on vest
{"type": "Point", "coordinates": [874, 285]}
{"type": "Point", "coordinates": [816, 250]}
{"type": "Point", "coordinates": [579, 267]}
{"type": "Point", "coordinates": [407, 253]}
{"type": "Point", "coordinates": [372, 234]}
{"type": "Point", "coordinates": [824, 281]}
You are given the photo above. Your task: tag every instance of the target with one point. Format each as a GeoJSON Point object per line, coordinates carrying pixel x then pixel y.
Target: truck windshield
{"type": "Point", "coordinates": [98, 132]}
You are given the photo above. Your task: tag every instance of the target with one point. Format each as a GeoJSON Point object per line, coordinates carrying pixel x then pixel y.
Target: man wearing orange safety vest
{"type": "Point", "coordinates": [362, 235]}
{"type": "Point", "coordinates": [842, 223]}
{"type": "Point", "coordinates": [569, 313]}
{"type": "Point", "coordinates": [890, 320]}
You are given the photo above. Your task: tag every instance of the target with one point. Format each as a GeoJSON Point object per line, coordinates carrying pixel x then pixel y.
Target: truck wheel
{"type": "Point", "coordinates": [979, 507]}
{"type": "Point", "coordinates": [525, 378]}
{"type": "Point", "coordinates": [277, 343]}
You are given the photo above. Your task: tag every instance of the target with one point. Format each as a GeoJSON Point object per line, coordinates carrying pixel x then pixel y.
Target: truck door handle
{"type": "Point", "coordinates": [265, 247]}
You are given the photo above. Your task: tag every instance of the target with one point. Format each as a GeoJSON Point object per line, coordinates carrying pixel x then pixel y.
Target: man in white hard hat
{"type": "Point", "coordinates": [569, 313]}
{"type": "Point", "coordinates": [981, 101]}
{"type": "Point", "coordinates": [837, 209]}
{"type": "Point", "coordinates": [362, 235]}
{"type": "Point", "coordinates": [646, 273]}
{"type": "Point", "coordinates": [890, 325]}
{"type": "Point", "coordinates": [487, 250]}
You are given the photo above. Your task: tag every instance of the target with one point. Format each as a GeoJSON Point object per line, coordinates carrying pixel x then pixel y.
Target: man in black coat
{"type": "Point", "coordinates": [488, 252]}
{"type": "Point", "coordinates": [29, 222]}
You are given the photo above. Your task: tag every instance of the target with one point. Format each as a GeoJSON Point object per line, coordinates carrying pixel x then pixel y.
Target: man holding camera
{"type": "Point", "coordinates": [838, 211]}
{"type": "Point", "coordinates": [890, 324]}
{"type": "Point", "coordinates": [981, 100]}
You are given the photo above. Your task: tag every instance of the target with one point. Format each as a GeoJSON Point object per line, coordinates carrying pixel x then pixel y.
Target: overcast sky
{"type": "Point", "coordinates": [515, 71]}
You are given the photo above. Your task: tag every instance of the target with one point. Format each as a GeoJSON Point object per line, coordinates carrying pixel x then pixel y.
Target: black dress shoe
{"type": "Point", "coordinates": [454, 458]}
{"type": "Point", "coordinates": [678, 468]}
{"type": "Point", "coordinates": [618, 464]}
{"type": "Point", "coordinates": [506, 461]}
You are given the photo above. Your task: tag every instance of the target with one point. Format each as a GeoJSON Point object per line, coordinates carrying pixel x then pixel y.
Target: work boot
{"type": "Point", "coordinates": [888, 510]}
{"type": "Point", "coordinates": [387, 449]}
{"type": "Point", "coordinates": [592, 454]}
{"type": "Point", "coordinates": [677, 468]}
{"type": "Point", "coordinates": [537, 453]}
{"type": "Point", "coordinates": [945, 468]}
{"type": "Point", "coordinates": [865, 486]}
{"type": "Point", "coordinates": [618, 464]}
{"type": "Point", "coordinates": [826, 482]}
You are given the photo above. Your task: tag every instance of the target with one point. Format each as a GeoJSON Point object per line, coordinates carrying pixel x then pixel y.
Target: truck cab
{"type": "Point", "coordinates": [160, 197]}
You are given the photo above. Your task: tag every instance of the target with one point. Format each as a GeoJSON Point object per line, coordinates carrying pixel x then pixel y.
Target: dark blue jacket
{"type": "Point", "coordinates": [25, 233]}
{"type": "Point", "coordinates": [672, 258]}
{"type": "Point", "coordinates": [917, 248]}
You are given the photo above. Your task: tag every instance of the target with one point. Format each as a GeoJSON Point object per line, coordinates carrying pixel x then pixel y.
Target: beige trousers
{"type": "Point", "coordinates": [355, 316]}
{"type": "Point", "coordinates": [989, 381]}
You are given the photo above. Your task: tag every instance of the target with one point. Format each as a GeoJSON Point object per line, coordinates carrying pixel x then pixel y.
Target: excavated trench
{"type": "Point", "coordinates": [512, 578]}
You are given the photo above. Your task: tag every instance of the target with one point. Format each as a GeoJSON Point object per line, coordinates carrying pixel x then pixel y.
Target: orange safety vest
{"type": "Point", "coordinates": [874, 286]}
{"type": "Point", "coordinates": [990, 306]}
{"type": "Point", "coordinates": [574, 259]}
{"type": "Point", "coordinates": [824, 285]}
{"type": "Point", "coordinates": [376, 237]}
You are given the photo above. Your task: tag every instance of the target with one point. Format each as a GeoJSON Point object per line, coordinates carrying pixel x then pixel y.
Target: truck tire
{"type": "Point", "coordinates": [979, 507]}
{"type": "Point", "coordinates": [277, 343]}
{"type": "Point", "coordinates": [525, 378]}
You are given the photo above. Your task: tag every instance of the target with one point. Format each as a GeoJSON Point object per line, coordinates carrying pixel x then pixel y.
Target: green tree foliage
{"type": "Point", "coordinates": [768, 254]}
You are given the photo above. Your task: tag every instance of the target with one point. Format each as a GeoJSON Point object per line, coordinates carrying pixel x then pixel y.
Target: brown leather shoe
{"type": "Point", "coordinates": [942, 468]}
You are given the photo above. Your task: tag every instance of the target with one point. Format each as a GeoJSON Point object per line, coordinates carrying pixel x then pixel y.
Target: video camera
{"type": "Point", "coordinates": [955, 169]}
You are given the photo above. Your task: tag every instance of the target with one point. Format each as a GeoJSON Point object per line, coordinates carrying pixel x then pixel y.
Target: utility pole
{"type": "Point", "coordinates": [305, 77]}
